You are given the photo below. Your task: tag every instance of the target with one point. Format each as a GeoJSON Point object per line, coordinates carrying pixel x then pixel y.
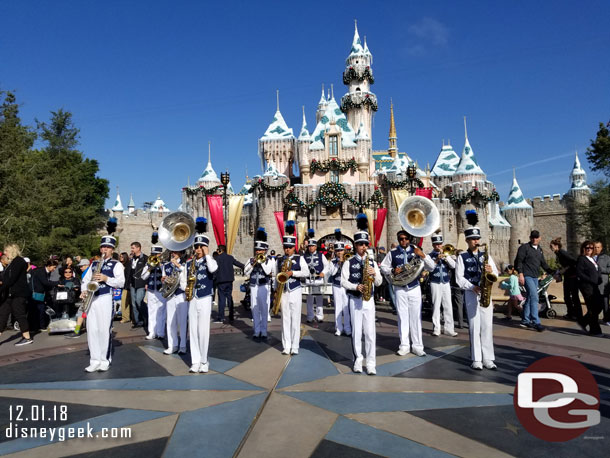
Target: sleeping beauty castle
{"type": "Point", "coordinates": [326, 174]}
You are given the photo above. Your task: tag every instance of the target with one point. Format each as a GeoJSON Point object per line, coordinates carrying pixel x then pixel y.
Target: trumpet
{"type": "Point", "coordinates": [260, 258]}
{"type": "Point", "coordinates": [448, 250]}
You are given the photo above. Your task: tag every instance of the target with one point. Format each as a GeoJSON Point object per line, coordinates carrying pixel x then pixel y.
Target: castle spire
{"type": "Point", "coordinates": [515, 197]}
{"type": "Point", "coordinates": [277, 94]}
{"type": "Point", "coordinates": [468, 164]}
{"type": "Point", "coordinates": [323, 97]}
{"type": "Point", "coordinates": [392, 150]}
{"type": "Point", "coordinates": [304, 135]}
{"type": "Point", "coordinates": [209, 152]}
{"type": "Point", "coordinates": [578, 177]}
{"type": "Point", "coordinates": [118, 205]}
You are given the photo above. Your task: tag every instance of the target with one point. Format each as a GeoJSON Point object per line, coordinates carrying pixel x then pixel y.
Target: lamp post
{"type": "Point", "coordinates": [225, 178]}
{"type": "Point", "coordinates": [412, 175]}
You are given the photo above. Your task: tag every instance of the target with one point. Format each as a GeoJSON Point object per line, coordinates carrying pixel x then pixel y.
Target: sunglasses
{"type": "Point", "coordinates": [402, 238]}
{"type": "Point", "coordinates": [588, 248]}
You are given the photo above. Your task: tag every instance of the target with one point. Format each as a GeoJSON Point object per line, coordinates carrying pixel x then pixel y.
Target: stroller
{"type": "Point", "coordinates": [545, 307]}
{"type": "Point", "coordinates": [63, 299]}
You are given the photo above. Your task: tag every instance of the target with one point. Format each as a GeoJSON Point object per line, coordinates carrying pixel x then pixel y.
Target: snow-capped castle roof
{"type": "Point", "coordinates": [278, 129]}
{"type": "Point", "coordinates": [118, 205]}
{"type": "Point", "coordinates": [578, 177]}
{"type": "Point", "coordinates": [208, 175]}
{"type": "Point", "coordinates": [495, 216]}
{"type": "Point", "coordinates": [446, 163]}
{"type": "Point", "coordinates": [515, 198]}
{"type": "Point", "coordinates": [159, 206]}
{"type": "Point", "coordinates": [333, 112]}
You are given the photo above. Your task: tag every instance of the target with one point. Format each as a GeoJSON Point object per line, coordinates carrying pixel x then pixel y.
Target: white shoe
{"type": "Point", "coordinates": [417, 352]}
{"type": "Point", "coordinates": [150, 337]}
{"type": "Point", "coordinates": [476, 365]}
{"type": "Point", "coordinates": [489, 365]}
{"type": "Point", "coordinates": [436, 334]}
{"type": "Point", "coordinates": [204, 368]}
{"type": "Point", "coordinates": [402, 351]}
{"type": "Point", "coordinates": [268, 318]}
{"type": "Point", "coordinates": [194, 368]}
{"type": "Point", "coordinates": [169, 351]}
{"type": "Point", "coordinates": [337, 332]}
{"type": "Point", "coordinates": [358, 366]}
{"type": "Point", "coordinates": [104, 367]}
{"type": "Point", "coordinates": [371, 371]}
{"type": "Point", "coordinates": [285, 352]}
{"type": "Point", "coordinates": [294, 351]}
{"type": "Point", "coordinates": [92, 367]}
{"type": "Point", "coordinates": [452, 334]}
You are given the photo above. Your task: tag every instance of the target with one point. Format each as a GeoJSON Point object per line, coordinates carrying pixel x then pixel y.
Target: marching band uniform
{"type": "Point", "coordinates": [441, 290]}
{"type": "Point", "coordinates": [317, 262]}
{"type": "Point", "coordinates": [342, 315]}
{"type": "Point", "coordinates": [362, 312]}
{"type": "Point", "coordinates": [469, 270]}
{"type": "Point", "coordinates": [408, 301]}
{"type": "Point", "coordinates": [200, 307]}
{"type": "Point", "coordinates": [291, 298]}
{"type": "Point", "coordinates": [177, 313]}
{"type": "Point", "coordinates": [154, 298]}
{"type": "Point", "coordinates": [261, 275]}
{"type": "Point", "coordinates": [100, 314]}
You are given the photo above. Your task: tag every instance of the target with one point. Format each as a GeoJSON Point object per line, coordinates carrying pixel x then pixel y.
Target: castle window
{"type": "Point", "coordinates": [334, 176]}
{"type": "Point", "coordinates": [357, 89]}
{"type": "Point", "coordinates": [333, 146]}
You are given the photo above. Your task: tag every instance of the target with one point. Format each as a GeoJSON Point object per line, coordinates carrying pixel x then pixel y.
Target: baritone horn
{"type": "Point", "coordinates": [448, 250]}
{"type": "Point", "coordinates": [177, 231]}
{"type": "Point", "coordinates": [419, 216]}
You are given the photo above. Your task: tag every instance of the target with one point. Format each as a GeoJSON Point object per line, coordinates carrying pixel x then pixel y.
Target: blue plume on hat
{"type": "Point", "coordinates": [201, 224]}
{"type": "Point", "coordinates": [260, 235]}
{"type": "Point", "coordinates": [472, 217]}
{"type": "Point", "coordinates": [362, 221]}
{"type": "Point", "coordinates": [155, 238]}
{"type": "Point", "coordinates": [290, 227]}
{"type": "Point", "coordinates": [111, 225]}
{"type": "Point", "coordinates": [311, 233]}
{"type": "Point", "coordinates": [338, 233]}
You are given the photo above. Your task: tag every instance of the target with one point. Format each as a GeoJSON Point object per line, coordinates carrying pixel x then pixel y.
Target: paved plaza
{"type": "Point", "coordinates": [256, 402]}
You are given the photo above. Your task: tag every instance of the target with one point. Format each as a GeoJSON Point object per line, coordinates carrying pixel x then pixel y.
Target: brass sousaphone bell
{"type": "Point", "coordinates": [177, 231]}
{"type": "Point", "coordinates": [419, 216]}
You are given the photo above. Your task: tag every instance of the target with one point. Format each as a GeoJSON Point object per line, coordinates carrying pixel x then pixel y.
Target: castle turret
{"type": "Point", "coordinates": [303, 150]}
{"type": "Point", "coordinates": [278, 144]}
{"type": "Point", "coordinates": [322, 104]}
{"type": "Point", "coordinates": [520, 215]}
{"type": "Point", "coordinates": [577, 197]}
{"type": "Point", "coordinates": [118, 205]}
{"type": "Point", "coordinates": [359, 103]}
{"type": "Point", "coordinates": [578, 179]}
{"type": "Point", "coordinates": [132, 206]}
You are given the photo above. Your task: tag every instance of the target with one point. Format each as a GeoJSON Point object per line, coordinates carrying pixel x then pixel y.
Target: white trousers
{"type": "Point", "coordinates": [291, 319]}
{"type": "Point", "coordinates": [342, 315]}
{"type": "Point", "coordinates": [480, 328]}
{"type": "Point", "coordinates": [441, 295]}
{"type": "Point", "coordinates": [319, 299]}
{"type": "Point", "coordinates": [99, 327]}
{"type": "Point", "coordinates": [199, 328]}
{"type": "Point", "coordinates": [156, 313]}
{"type": "Point", "coordinates": [177, 314]}
{"type": "Point", "coordinates": [259, 304]}
{"type": "Point", "coordinates": [408, 308]}
{"type": "Point", "coordinates": [363, 321]}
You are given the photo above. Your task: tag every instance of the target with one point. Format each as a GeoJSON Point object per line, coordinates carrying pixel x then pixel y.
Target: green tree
{"type": "Point", "coordinates": [51, 199]}
{"type": "Point", "coordinates": [598, 153]}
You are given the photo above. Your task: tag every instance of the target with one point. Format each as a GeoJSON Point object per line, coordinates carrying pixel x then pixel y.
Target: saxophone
{"type": "Point", "coordinates": [92, 287]}
{"type": "Point", "coordinates": [487, 279]}
{"type": "Point", "coordinates": [367, 280]}
{"type": "Point", "coordinates": [190, 282]}
{"type": "Point", "coordinates": [282, 278]}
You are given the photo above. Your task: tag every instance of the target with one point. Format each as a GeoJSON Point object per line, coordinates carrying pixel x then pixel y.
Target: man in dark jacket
{"type": "Point", "coordinates": [528, 262]}
{"type": "Point", "coordinates": [603, 262]}
{"type": "Point", "coordinates": [137, 286]}
{"type": "Point", "coordinates": [41, 285]}
{"type": "Point", "coordinates": [15, 293]}
{"type": "Point", "coordinates": [224, 278]}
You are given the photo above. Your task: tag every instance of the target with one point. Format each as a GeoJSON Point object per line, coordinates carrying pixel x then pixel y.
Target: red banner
{"type": "Point", "coordinates": [279, 220]}
{"type": "Point", "coordinates": [426, 192]}
{"type": "Point", "coordinates": [379, 222]}
{"type": "Point", "coordinates": [217, 217]}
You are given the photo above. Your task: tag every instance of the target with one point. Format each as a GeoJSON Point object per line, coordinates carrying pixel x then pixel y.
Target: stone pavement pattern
{"type": "Point", "coordinates": [257, 402]}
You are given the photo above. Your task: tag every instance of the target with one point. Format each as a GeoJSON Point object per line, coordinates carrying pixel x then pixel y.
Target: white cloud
{"type": "Point", "coordinates": [425, 34]}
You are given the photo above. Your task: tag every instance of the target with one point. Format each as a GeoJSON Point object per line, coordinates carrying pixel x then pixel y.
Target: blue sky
{"type": "Point", "coordinates": [150, 83]}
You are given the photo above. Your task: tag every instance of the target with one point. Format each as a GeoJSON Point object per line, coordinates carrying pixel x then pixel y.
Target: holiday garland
{"type": "Point", "coordinates": [347, 102]}
{"type": "Point", "coordinates": [198, 189]}
{"type": "Point", "coordinates": [474, 194]}
{"type": "Point", "coordinates": [332, 195]}
{"type": "Point", "coordinates": [352, 74]}
{"type": "Point", "coordinates": [404, 183]}
{"type": "Point", "coordinates": [266, 187]}
{"type": "Point", "coordinates": [333, 164]}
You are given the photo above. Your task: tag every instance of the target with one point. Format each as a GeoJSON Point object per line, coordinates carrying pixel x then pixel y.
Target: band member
{"type": "Point", "coordinates": [440, 287]}
{"type": "Point", "coordinates": [353, 276]}
{"type": "Point", "coordinates": [295, 268]}
{"type": "Point", "coordinates": [317, 265]}
{"type": "Point", "coordinates": [408, 298]}
{"type": "Point", "coordinates": [108, 273]}
{"type": "Point", "coordinates": [200, 307]}
{"type": "Point", "coordinates": [260, 269]}
{"type": "Point", "coordinates": [155, 301]}
{"type": "Point", "coordinates": [342, 315]}
{"type": "Point", "coordinates": [177, 309]}
{"type": "Point", "coordinates": [470, 267]}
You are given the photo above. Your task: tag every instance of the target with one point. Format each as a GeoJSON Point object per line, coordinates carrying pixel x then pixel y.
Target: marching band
{"type": "Point", "coordinates": [181, 292]}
